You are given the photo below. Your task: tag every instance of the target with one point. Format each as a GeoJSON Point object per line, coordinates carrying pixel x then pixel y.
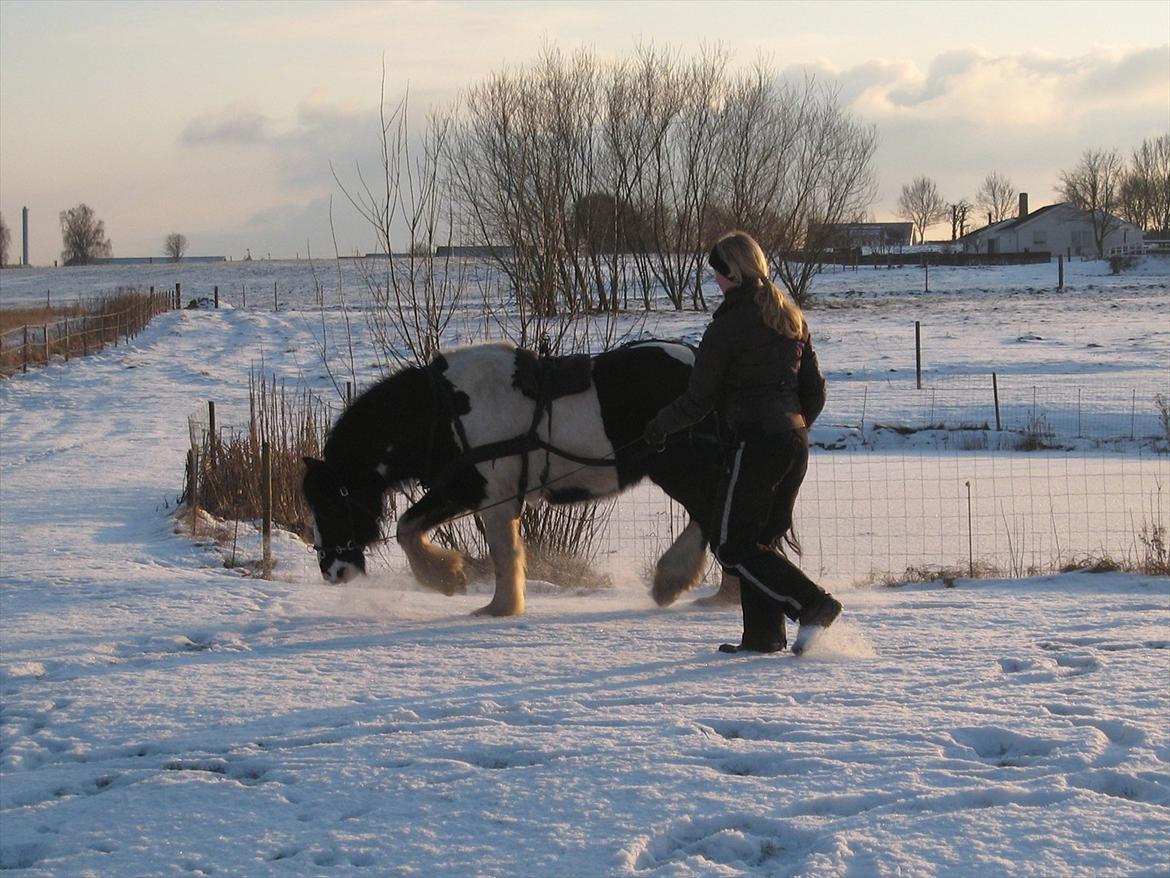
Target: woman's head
{"type": "Point", "coordinates": [738, 257]}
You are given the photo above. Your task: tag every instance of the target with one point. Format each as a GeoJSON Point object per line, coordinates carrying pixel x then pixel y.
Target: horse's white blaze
{"type": "Point", "coordinates": [342, 571]}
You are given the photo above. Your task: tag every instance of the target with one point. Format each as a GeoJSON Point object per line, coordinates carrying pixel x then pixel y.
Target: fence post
{"type": "Point", "coordinates": [193, 500]}
{"type": "Point", "coordinates": [178, 296]}
{"type": "Point", "coordinates": [212, 435]}
{"type": "Point", "coordinates": [217, 298]}
{"type": "Point", "coordinates": [995, 391]}
{"type": "Point", "coordinates": [266, 500]}
{"type": "Point", "coordinates": [24, 352]}
{"type": "Point", "coordinates": [1060, 271]}
{"type": "Point", "coordinates": [275, 300]}
{"type": "Point", "coordinates": [970, 537]}
{"type": "Point", "coordinates": [918, 351]}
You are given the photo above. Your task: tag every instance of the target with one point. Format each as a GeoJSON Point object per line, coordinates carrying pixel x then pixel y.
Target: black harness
{"type": "Point", "coordinates": [543, 380]}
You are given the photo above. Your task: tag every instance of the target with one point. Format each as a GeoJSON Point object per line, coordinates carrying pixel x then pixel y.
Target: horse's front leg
{"type": "Point", "coordinates": [501, 526]}
{"type": "Point", "coordinates": [435, 567]}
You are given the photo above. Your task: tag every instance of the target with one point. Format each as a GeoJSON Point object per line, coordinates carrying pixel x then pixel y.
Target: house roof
{"type": "Point", "coordinates": [1005, 225]}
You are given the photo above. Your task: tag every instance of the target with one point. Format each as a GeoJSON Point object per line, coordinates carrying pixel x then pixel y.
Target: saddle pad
{"type": "Point", "coordinates": [549, 378]}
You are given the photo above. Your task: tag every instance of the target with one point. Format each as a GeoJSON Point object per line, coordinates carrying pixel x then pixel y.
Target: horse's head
{"type": "Point", "coordinates": [346, 513]}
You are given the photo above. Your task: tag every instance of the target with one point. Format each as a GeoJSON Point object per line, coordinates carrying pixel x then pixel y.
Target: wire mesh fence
{"type": "Point", "coordinates": [910, 484]}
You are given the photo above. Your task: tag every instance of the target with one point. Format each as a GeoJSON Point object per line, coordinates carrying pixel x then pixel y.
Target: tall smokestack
{"type": "Point", "coordinates": [24, 240]}
{"type": "Point", "coordinates": [1023, 204]}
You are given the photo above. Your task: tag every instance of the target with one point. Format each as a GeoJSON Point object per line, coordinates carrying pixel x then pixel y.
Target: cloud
{"type": "Point", "coordinates": [975, 87]}
{"type": "Point", "coordinates": [235, 124]}
{"type": "Point", "coordinates": [1028, 115]}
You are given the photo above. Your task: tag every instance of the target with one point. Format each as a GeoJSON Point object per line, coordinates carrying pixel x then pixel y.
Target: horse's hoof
{"type": "Point", "coordinates": [663, 595]}
{"type": "Point", "coordinates": [494, 609]}
{"type": "Point", "coordinates": [454, 585]}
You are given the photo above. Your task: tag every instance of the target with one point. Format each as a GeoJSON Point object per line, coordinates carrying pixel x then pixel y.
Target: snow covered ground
{"type": "Point", "coordinates": [161, 715]}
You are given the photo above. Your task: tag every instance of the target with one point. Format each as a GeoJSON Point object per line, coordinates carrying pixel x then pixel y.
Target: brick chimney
{"type": "Point", "coordinates": [1023, 205]}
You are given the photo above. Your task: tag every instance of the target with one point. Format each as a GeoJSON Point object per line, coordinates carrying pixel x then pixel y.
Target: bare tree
{"type": "Point", "coordinates": [921, 204]}
{"type": "Point", "coordinates": [416, 290]}
{"type": "Point", "coordinates": [1145, 189]}
{"type": "Point", "coordinates": [5, 241]}
{"type": "Point", "coordinates": [1094, 186]}
{"type": "Point", "coordinates": [83, 236]}
{"type": "Point", "coordinates": [560, 166]}
{"type": "Point", "coordinates": [959, 213]}
{"type": "Point", "coordinates": [175, 246]}
{"type": "Point", "coordinates": [996, 197]}
{"type": "Point", "coordinates": [827, 178]}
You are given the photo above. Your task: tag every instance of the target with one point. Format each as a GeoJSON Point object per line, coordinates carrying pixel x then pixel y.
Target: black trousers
{"type": "Point", "coordinates": [766, 471]}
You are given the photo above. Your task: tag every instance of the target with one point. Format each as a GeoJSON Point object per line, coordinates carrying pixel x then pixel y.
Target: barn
{"type": "Point", "coordinates": [1059, 229]}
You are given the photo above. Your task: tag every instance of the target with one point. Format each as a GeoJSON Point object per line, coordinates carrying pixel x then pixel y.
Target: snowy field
{"type": "Point", "coordinates": [161, 715]}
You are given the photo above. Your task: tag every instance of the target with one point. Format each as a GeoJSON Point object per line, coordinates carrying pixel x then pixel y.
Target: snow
{"type": "Point", "coordinates": [163, 715]}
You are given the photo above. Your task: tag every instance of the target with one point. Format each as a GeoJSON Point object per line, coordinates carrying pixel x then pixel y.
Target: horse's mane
{"type": "Point", "coordinates": [361, 435]}
{"type": "Point", "coordinates": [397, 408]}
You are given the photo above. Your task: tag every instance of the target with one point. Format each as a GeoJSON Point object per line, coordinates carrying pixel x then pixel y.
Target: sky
{"type": "Point", "coordinates": [226, 122]}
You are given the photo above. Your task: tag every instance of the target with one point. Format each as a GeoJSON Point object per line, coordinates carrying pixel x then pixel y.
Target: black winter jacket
{"type": "Point", "coordinates": [756, 378]}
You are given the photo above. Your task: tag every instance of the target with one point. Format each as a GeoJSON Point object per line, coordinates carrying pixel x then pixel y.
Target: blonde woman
{"type": "Point", "coordinates": [756, 366]}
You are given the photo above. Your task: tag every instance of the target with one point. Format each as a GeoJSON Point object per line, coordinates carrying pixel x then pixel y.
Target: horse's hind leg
{"type": "Point", "coordinates": [435, 567]}
{"type": "Point", "coordinates": [502, 530]}
{"type": "Point", "coordinates": [681, 566]}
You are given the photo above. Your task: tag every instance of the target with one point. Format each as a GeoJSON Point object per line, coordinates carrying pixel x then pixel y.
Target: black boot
{"type": "Point", "coordinates": [763, 624]}
{"type": "Point", "coordinates": [815, 618]}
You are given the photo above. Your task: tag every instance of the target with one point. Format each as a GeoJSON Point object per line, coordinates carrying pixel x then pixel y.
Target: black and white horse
{"type": "Point", "coordinates": [482, 427]}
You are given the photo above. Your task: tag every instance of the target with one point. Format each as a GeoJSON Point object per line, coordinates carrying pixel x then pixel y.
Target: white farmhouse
{"type": "Point", "coordinates": [1059, 229]}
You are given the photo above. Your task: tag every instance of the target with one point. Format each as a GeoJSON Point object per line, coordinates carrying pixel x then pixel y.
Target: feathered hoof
{"type": "Point", "coordinates": [443, 573]}
{"type": "Point", "coordinates": [665, 591]}
{"type": "Point", "coordinates": [499, 609]}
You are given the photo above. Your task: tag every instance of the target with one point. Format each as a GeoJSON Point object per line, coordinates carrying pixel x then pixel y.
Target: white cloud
{"type": "Point", "coordinates": [234, 124]}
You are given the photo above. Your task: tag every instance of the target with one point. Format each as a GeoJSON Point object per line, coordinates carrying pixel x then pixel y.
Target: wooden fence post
{"type": "Point", "coordinates": [24, 352]}
{"type": "Point", "coordinates": [970, 536]}
{"type": "Point", "coordinates": [918, 351]}
{"type": "Point", "coordinates": [266, 499]}
{"type": "Point", "coordinates": [217, 298]}
{"type": "Point", "coordinates": [1060, 272]}
{"type": "Point", "coordinates": [193, 499]}
{"type": "Point", "coordinates": [995, 392]}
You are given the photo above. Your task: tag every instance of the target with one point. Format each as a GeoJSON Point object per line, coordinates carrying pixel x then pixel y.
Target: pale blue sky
{"type": "Point", "coordinates": [219, 120]}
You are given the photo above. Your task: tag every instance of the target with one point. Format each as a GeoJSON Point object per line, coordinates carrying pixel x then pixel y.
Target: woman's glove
{"type": "Point", "coordinates": [653, 435]}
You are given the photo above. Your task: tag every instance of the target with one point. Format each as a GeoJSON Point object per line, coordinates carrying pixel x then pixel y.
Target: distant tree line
{"type": "Point", "coordinates": [1102, 183]}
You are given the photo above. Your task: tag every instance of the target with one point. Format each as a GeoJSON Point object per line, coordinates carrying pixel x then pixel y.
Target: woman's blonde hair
{"type": "Point", "coordinates": [748, 266]}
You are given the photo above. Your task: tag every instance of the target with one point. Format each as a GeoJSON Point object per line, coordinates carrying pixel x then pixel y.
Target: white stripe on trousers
{"type": "Point", "coordinates": [739, 568]}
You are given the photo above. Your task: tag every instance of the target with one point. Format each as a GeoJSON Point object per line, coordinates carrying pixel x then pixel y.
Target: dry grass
{"type": "Point", "coordinates": [15, 318]}
{"type": "Point", "coordinates": [31, 337]}
{"type": "Point", "coordinates": [229, 463]}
